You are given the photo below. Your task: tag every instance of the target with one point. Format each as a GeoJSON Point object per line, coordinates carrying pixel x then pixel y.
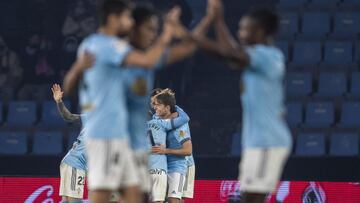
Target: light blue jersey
{"type": "Point", "coordinates": [175, 139]}
{"type": "Point", "coordinates": [102, 91]}
{"type": "Point", "coordinates": [263, 99]}
{"type": "Point", "coordinates": [76, 156]}
{"type": "Point", "coordinates": [139, 82]}
{"type": "Point", "coordinates": [157, 136]}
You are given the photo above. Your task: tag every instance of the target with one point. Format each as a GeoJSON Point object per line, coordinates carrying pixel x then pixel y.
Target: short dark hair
{"type": "Point", "coordinates": [167, 98]}
{"type": "Point", "coordinates": [268, 20]}
{"type": "Point", "coordinates": [143, 12]}
{"type": "Point", "coordinates": [109, 7]}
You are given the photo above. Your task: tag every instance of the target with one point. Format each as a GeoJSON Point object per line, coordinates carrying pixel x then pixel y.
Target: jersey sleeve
{"type": "Point", "coordinates": [264, 59]}
{"type": "Point", "coordinates": [182, 135]}
{"type": "Point", "coordinates": [171, 124]}
{"type": "Point", "coordinates": [81, 49]}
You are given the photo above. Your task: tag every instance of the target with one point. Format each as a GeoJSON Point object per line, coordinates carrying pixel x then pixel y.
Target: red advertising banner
{"type": "Point", "coordinates": [46, 190]}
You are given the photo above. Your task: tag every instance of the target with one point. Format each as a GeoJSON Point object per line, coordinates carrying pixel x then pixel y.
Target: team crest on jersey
{"type": "Point", "coordinates": [182, 133]}
{"type": "Point", "coordinates": [139, 87]}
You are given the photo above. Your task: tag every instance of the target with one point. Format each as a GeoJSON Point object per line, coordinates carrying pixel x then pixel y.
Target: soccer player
{"type": "Point", "coordinates": [157, 132]}
{"type": "Point", "coordinates": [266, 136]}
{"type": "Point", "coordinates": [157, 162]}
{"type": "Point", "coordinates": [103, 99]}
{"type": "Point", "coordinates": [179, 146]}
{"type": "Point", "coordinates": [73, 166]}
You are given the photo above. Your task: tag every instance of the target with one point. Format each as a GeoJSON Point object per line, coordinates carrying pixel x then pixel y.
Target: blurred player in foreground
{"type": "Point", "coordinates": [266, 136]}
{"type": "Point", "coordinates": [103, 98]}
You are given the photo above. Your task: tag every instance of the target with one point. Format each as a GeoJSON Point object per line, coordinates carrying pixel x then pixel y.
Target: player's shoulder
{"type": "Point", "coordinates": [268, 50]}
{"type": "Point", "coordinates": [184, 127]}
{"type": "Point", "coordinates": [104, 39]}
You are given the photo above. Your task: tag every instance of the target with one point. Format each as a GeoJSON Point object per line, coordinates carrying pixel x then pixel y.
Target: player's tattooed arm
{"type": "Point", "coordinates": [64, 112]}
{"type": "Point", "coordinates": [148, 59]}
{"type": "Point", "coordinates": [74, 75]}
{"type": "Point", "coordinates": [185, 150]}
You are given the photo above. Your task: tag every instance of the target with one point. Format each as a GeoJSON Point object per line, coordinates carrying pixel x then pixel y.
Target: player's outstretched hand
{"type": "Point", "coordinates": [173, 16]}
{"type": "Point", "coordinates": [171, 20]}
{"type": "Point", "coordinates": [85, 61]}
{"type": "Point", "coordinates": [57, 93]}
{"type": "Point", "coordinates": [158, 149]}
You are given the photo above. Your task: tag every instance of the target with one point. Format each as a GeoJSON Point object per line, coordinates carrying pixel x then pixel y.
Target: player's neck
{"type": "Point", "coordinates": [168, 116]}
{"type": "Point", "coordinates": [265, 41]}
{"type": "Point", "coordinates": [107, 31]}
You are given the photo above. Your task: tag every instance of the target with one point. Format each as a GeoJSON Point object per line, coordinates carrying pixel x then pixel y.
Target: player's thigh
{"type": "Point", "coordinates": [72, 182]}
{"type": "Point", "coordinates": [159, 186]}
{"type": "Point", "coordinates": [189, 183]}
{"type": "Point", "coordinates": [260, 169]}
{"type": "Point", "coordinates": [130, 173]}
{"type": "Point", "coordinates": [143, 174]}
{"type": "Point", "coordinates": [176, 185]}
{"type": "Point", "coordinates": [108, 163]}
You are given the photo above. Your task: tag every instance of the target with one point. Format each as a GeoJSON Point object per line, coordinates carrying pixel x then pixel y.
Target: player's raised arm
{"type": "Point", "coordinates": [64, 112]}
{"type": "Point", "coordinates": [223, 34]}
{"type": "Point", "coordinates": [188, 45]}
{"type": "Point", "coordinates": [149, 58]}
{"type": "Point", "coordinates": [183, 49]}
{"type": "Point", "coordinates": [226, 47]}
{"type": "Point", "coordinates": [73, 76]}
